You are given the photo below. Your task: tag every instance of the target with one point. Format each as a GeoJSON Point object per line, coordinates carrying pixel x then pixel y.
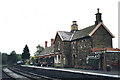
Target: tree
{"type": "Point", "coordinates": [39, 50]}
{"type": "Point", "coordinates": [4, 58]}
{"type": "Point", "coordinates": [12, 58]}
{"type": "Point", "coordinates": [19, 57]}
{"type": "Point", "coordinates": [25, 54]}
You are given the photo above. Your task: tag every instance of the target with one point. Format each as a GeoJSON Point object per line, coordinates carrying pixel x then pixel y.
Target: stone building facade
{"type": "Point", "coordinates": [60, 47]}
{"type": "Point", "coordinates": [72, 48]}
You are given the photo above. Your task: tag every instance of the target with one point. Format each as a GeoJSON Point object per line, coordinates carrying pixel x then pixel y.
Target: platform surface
{"type": "Point", "coordinates": [115, 74]}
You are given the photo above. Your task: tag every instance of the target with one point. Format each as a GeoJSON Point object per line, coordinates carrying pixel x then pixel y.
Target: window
{"type": "Point", "coordinates": [81, 40]}
{"type": "Point", "coordinates": [73, 47]}
{"type": "Point", "coordinates": [74, 55]}
{"type": "Point", "coordinates": [57, 59]}
{"type": "Point", "coordinates": [84, 40]}
{"type": "Point", "coordinates": [80, 46]}
{"type": "Point", "coordinates": [58, 56]}
{"type": "Point", "coordinates": [72, 42]}
{"type": "Point", "coordinates": [85, 45]}
{"type": "Point", "coordinates": [58, 45]}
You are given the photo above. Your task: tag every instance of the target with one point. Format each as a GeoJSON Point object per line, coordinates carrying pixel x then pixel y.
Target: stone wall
{"type": "Point", "coordinates": [75, 52]}
{"type": "Point", "coordinates": [63, 47]}
{"type": "Point", "coordinates": [67, 54]}
{"type": "Point", "coordinates": [58, 50]}
{"type": "Point", "coordinates": [80, 49]}
{"type": "Point", "coordinates": [101, 39]}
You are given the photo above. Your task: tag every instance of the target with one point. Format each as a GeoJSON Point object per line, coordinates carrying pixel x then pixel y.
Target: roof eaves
{"type": "Point", "coordinates": [60, 35]}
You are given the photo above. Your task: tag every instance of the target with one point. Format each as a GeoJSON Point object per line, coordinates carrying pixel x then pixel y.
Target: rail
{"type": "Point", "coordinates": [30, 75]}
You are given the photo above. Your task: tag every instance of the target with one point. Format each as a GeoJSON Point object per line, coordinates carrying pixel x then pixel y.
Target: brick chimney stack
{"type": "Point", "coordinates": [52, 42]}
{"type": "Point", "coordinates": [74, 26]}
{"type": "Point", "coordinates": [46, 44]}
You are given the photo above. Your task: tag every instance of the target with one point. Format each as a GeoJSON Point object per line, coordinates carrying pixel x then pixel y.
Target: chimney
{"type": "Point", "coordinates": [52, 42]}
{"type": "Point", "coordinates": [74, 26]}
{"type": "Point", "coordinates": [98, 17]}
{"type": "Point", "coordinates": [46, 44]}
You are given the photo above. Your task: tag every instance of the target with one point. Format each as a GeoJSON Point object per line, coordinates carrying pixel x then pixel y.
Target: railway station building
{"type": "Point", "coordinates": [88, 48]}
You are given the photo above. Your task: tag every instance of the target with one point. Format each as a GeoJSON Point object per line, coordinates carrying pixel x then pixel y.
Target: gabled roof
{"type": "Point", "coordinates": [47, 51]}
{"type": "Point", "coordinates": [65, 36]}
{"type": "Point", "coordinates": [96, 28]}
{"type": "Point", "coordinates": [88, 31]}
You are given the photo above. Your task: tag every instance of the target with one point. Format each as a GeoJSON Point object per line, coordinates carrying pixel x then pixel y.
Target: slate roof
{"type": "Point", "coordinates": [68, 36]}
{"type": "Point", "coordinates": [47, 51]}
{"type": "Point", "coordinates": [88, 31]}
{"type": "Point", "coordinates": [83, 32]}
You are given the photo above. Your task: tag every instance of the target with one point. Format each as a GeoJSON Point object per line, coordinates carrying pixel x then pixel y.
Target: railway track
{"type": "Point", "coordinates": [6, 77]}
{"type": "Point", "coordinates": [33, 73]}
{"type": "Point", "coordinates": [64, 74]}
{"type": "Point", "coordinates": [30, 75]}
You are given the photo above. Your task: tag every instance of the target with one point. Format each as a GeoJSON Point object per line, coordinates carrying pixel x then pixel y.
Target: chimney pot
{"type": "Point", "coordinates": [52, 42]}
{"type": "Point", "coordinates": [46, 44]}
{"type": "Point", "coordinates": [74, 22]}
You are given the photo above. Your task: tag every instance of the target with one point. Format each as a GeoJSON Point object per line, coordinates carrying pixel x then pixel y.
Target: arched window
{"type": "Point", "coordinates": [74, 55]}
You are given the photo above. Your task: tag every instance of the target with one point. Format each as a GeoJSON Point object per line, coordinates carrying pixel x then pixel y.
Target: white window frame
{"type": "Point", "coordinates": [58, 59]}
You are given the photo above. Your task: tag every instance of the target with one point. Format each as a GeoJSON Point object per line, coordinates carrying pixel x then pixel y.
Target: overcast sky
{"type": "Point", "coordinates": [33, 22]}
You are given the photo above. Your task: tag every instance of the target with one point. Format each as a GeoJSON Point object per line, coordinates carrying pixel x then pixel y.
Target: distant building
{"type": "Point", "coordinates": [46, 57]}
{"type": "Point", "coordinates": [75, 48]}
